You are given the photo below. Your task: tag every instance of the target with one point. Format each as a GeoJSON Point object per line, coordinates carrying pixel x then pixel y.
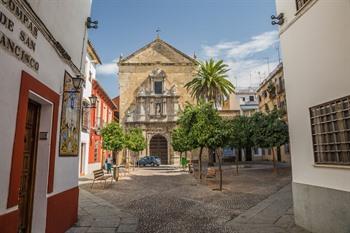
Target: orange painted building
{"type": "Point", "coordinates": [103, 114]}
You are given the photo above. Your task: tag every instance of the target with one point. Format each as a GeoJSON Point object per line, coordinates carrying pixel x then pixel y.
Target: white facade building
{"type": "Point", "coordinates": [41, 43]}
{"type": "Point", "coordinates": [315, 42]}
{"type": "Point", "coordinates": [248, 100]}
{"type": "Point", "coordinates": [92, 59]}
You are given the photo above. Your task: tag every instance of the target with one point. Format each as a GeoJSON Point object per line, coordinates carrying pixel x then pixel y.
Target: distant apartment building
{"type": "Point", "coordinates": [230, 107]}
{"type": "Point", "coordinates": [247, 100]}
{"type": "Point", "coordinates": [272, 95]}
{"type": "Point", "coordinates": [88, 102]}
{"type": "Point", "coordinates": [314, 36]}
{"type": "Point", "coordinates": [243, 102]}
{"type": "Point", "coordinates": [100, 116]}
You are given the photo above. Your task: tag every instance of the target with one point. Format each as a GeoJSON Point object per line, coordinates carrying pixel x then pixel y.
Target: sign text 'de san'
{"type": "Point", "coordinates": [8, 44]}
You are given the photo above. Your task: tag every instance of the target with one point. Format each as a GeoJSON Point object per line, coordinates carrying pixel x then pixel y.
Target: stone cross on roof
{"type": "Point", "coordinates": [158, 31]}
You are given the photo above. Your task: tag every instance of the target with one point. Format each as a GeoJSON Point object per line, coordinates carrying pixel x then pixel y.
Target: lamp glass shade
{"type": "Point", "coordinates": [78, 82]}
{"type": "Point", "coordinates": [93, 100]}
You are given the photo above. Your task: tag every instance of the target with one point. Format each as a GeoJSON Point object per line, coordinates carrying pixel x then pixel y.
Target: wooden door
{"type": "Point", "coordinates": [26, 192]}
{"type": "Point", "coordinates": [159, 147]}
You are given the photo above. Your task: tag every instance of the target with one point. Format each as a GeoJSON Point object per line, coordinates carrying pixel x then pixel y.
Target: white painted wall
{"type": "Point", "coordinates": [64, 19]}
{"type": "Point", "coordinates": [90, 68]}
{"type": "Point", "coordinates": [42, 165]}
{"type": "Point", "coordinates": [51, 73]}
{"type": "Point", "coordinates": [316, 54]}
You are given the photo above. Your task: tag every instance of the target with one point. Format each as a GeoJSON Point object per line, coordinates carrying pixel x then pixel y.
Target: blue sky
{"type": "Point", "coordinates": [237, 31]}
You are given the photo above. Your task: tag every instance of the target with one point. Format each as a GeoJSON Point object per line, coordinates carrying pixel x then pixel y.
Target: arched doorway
{"type": "Point", "coordinates": [158, 146]}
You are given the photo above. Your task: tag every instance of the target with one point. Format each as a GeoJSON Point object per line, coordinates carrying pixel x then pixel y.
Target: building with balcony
{"type": "Point", "coordinates": [40, 65]}
{"type": "Point", "coordinates": [247, 100]}
{"type": "Point", "coordinates": [100, 116]}
{"type": "Point", "coordinates": [91, 61]}
{"type": "Point", "coordinates": [314, 36]}
{"type": "Point", "coordinates": [272, 95]}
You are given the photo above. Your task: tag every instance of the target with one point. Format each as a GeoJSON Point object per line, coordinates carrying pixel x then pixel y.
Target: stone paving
{"type": "Point", "coordinates": [274, 214]}
{"type": "Point", "coordinates": [98, 215]}
{"type": "Point", "coordinates": [166, 199]}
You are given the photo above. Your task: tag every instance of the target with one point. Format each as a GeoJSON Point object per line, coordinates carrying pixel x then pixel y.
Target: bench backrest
{"type": "Point", "coordinates": [98, 173]}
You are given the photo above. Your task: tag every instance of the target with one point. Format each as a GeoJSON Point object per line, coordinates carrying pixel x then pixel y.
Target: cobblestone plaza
{"type": "Point", "coordinates": [166, 199]}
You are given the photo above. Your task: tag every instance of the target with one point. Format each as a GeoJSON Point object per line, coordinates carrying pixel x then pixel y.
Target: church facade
{"type": "Point", "coordinates": [152, 94]}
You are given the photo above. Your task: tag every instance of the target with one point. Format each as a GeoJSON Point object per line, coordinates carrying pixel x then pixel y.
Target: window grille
{"type": "Point", "coordinates": [85, 119]}
{"type": "Point", "coordinates": [330, 126]}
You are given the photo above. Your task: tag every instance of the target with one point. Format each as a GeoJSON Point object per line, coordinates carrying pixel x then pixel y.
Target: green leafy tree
{"type": "Point", "coordinates": [200, 124]}
{"type": "Point", "coordinates": [113, 137]}
{"type": "Point", "coordinates": [270, 131]}
{"type": "Point", "coordinates": [239, 134]}
{"type": "Point", "coordinates": [217, 141]}
{"type": "Point", "coordinates": [211, 82]}
{"type": "Point", "coordinates": [180, 142]}
{"type": "Point", "coordinates": [205, 128]}
{"type": "Point", "coordinates": [135, 141]}
{"type": "Point", "coordinates": [186, 121]}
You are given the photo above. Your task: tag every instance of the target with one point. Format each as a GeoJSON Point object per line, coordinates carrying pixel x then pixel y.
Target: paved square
{"type": "Point", "coordinates": [166, 199]}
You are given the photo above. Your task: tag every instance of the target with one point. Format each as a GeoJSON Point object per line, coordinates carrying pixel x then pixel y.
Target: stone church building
{"type": "Point", "coordinates": [152, 94]}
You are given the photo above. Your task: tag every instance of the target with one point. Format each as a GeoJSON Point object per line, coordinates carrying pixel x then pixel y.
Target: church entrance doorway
{"type": "Point", "coordinates": [158, 146]}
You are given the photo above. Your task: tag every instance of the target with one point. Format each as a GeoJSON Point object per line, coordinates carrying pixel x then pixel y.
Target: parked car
{"type": "Point", "coordinates": [149, 160]}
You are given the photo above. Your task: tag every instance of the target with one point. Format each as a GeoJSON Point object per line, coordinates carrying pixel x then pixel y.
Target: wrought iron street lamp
{"type": "Point", "coordinates": [93, 101]}
{"type": "Point", "coordinates": [78, 82]}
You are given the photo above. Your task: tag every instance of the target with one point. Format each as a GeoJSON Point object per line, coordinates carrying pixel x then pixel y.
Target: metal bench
{"type": "Point", "coordinates": [211, 172]}
{"type": "Point", "coordinates": [101, 176]}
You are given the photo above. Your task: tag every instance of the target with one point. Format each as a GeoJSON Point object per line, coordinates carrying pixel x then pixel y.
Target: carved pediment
{"type": "Point", "coordinates": [157, 73]}
{"type": "Point", "coordinates": [158, 51]}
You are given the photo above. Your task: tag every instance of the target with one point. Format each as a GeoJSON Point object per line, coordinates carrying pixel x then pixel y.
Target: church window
{"type": "Point", "coordinates": [158, 87]}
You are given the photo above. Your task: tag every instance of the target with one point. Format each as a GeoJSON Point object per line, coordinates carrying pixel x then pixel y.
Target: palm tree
{"type": "Point", "coordinates": [211, 83]}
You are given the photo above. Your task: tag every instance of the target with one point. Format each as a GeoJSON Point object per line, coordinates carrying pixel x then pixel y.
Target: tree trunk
{"type": "Point", "coordinates": [237, 161]}
{"type": "Point", "coordinates": [220, 168]}
{"type": "Point", "coordinates": [248, 154]}
{"type": "Point", "coordinates": [274, 160]}
{"type": "Point", "coordinates": [181, 165]}
{"type": "Point", "coordinates": [138, 158]}
{"type": "Point", "coordinates": [200, 163]}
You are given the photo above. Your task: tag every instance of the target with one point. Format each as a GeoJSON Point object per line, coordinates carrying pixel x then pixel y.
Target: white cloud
{"type": "Point", "coordinates": [107, 69]}
{"type": "Point", "coordinates": [255, 45]}
{"type": "Point", "coordinates": [242, 57]}
{"type": "Point", "coordinates": [239, 50]}
{"type": "Point", "coordinates": [247, 73]}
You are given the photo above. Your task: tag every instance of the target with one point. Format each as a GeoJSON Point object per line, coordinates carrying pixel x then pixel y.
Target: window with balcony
{"type": "Point", "coordinates": [96, 152]}
{"type": "Point", "coordinates": [97, 114]}
{"type": "Point", "coordinates": [330, 126]}
{"type": "Point", "coordinates": [85, 117]}
{"type": "Point", "coordinates": [251, 98]}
